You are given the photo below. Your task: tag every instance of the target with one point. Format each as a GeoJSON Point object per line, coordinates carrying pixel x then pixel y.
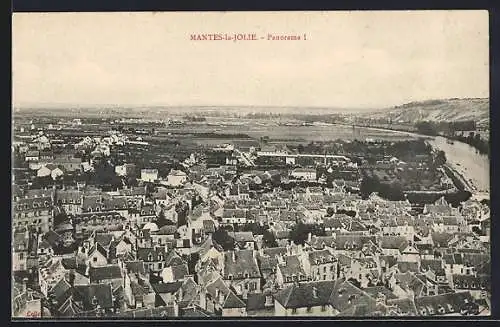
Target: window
{"type": "Point", "coordinates": [324, 269]}
{"type": "Point", "coordinates": [309, 310]}
{"type": "Point", "coordinates": [94, 259]}
{"type": "Point", "coordinates": [21, 255]}
{"type": "Point", "coordinates": [323, 308]}
{"type": "Point", "coordinates": [294, 311]}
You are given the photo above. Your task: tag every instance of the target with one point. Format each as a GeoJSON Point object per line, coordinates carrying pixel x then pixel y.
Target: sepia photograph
{"type": "Point", "coordinates": [207, 165]}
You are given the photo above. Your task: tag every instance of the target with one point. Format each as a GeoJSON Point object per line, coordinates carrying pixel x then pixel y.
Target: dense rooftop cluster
{"type": "Point", "coordinates": [268, 232]}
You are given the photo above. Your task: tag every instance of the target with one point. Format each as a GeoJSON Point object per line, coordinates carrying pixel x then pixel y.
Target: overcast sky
{"type": "Point", "coordinates": [350, 59]}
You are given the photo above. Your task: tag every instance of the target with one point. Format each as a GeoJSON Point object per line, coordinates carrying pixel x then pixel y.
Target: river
{"type": "Point", "coordinates": [463, 158]}
{"type": "Point", "coordinates": [475, 167]}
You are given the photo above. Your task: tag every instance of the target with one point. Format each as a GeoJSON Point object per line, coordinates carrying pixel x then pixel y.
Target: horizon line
{"type": "Point", "coordinates": [57, 105]}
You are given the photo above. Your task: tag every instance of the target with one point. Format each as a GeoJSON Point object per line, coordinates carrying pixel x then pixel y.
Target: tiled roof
{"type": "Point", "coordinates": [307, 294]}
{"type": "Point", "coordinates": [403, 306]}
{"type": "Point", "coordinates": [151, 254]}
{"type": "Point", "coordinates": [34, 203]}
{"type": "Point", "coordinates": [136, 267]}
{"type": "Point", "coordinates": [292, 267]}
{"type": "Point", "coordinates": [196, 312]}
{"type": "Point", "coordinates": [320, 257]}
{"type": "Point", "coordinates": [107, 272]}
{"type": "Point", "coordinates": [180, 271]}
{"type": "Point", "coordinates": [164, 288]}
{"type": "Point", "coordinates": [102, 293]}
{"type": "Point", "coordinates": [443, 303]}
{"type": "Point", "coordinates": [346, 295]}
{"type": "Point", "coordinates": [244, 263]}
{"type": "Point", "coordinates": [233, 301]}
{"type": "Point", "coordinates": [393, 242]}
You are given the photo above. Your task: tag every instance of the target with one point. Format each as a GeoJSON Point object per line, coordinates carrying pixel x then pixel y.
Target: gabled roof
{"type": "Point", "coordinates": [103, 239]}
{"type": "Point", "coordinates": [305, 294]}
{"type": "Point", "coordinates": [97, 247]}
{"type": "Point", "coordinates": [233, 301]}
{"type": "Point", "coordinates": [346, 295]}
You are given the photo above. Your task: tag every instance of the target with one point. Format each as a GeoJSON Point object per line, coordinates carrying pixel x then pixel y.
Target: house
{"type": "Point", "coordinates": [20, 249]}
{"type": "Point", "coordinates": [138, 291]}
{"type": "Point", "coordinates": [238, 192]}
{"type": "Point", "coordinates": [234, 216]}
{"type": "Point", "coordinates": [260, 304]}
{"type": "Point", "coordinates": [241, 271]}
{"type": "Point", "coordinates": [35, 212]}
{"type": "Point", "coordinates": [305, 299]}
{"type": "Point", "coordinates": [165, 293]}
{"type": "Point", "coordinates": [446, 304]}
{"type": "Point", "coordinates": [149, 175]}
{"type": "Point", "coordinates": [174, 273]}
{"type": "Point", "coordinates": [70, 200]}
{"type": "Point", "coordinates": [94, 299]}
{"type": "Point", "coordinates": [290, 270]}
{"type": "Point", "coordinates": [392, 245]}
{"type": "Point", "coordinates": [164, 235]}
{"type": "Point", "coordinates": [221, 299]}
{"type": "Point", "coordinates": [176, 178]}
{"type": "Point", "coordinates": [125, 169]}
{"type": "Point", "coordinates": [57, 172]}
{"type": "Point", "coordinates": [32, 156]}
{"type": "Point", "coordinates": [50, 273]}
{"type": "Point", "coordinates": [68, 163]}
{"type": "Point", "coordinates": [320, 264]}
{"type": "Point", "coordinates": [308, 174]}
{"type": "Point", "coordinates": [44, 171]}
{"type": "Point", "coordinates": [244, 240]}
{"type": "Point", "coordinates": [153, 258]}
{"type": "Point", "coordinates": [109, 274]}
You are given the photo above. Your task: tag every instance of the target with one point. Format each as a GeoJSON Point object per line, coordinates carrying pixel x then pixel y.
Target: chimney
{"type": "Point", "coordinates": [233, 255]}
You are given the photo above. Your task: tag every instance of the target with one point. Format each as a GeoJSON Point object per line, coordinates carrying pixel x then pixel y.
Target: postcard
{"type": "Point", "coordinates": [179, 165]}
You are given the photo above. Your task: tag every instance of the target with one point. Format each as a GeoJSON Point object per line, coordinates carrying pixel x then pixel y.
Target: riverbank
{"type": "Point", "coordinates": [472, 167]}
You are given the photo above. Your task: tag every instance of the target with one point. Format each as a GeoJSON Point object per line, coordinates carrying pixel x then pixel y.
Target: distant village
{"type": "Point", "coordinates": [225, 231]}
